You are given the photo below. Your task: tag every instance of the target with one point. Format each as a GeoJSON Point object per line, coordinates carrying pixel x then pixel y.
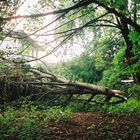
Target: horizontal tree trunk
{"type": "Point", "coordinates": [83, 88]}
{"type": "Point", "coordinates": [49, 87]}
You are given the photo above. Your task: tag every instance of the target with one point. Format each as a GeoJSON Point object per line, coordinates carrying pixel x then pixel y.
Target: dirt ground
{"type": "Point", "coordinates": [96, 126]}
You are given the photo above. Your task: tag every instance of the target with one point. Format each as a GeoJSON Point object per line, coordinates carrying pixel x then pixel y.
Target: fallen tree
{"type": "Point", "coordinates": [51, 88]}
{"type": "Point", "coordinates": [46, 85]}
{"type": "Point", "coordinates": [84, 88]}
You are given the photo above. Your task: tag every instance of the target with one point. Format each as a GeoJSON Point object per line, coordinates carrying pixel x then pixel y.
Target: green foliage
{"type": "Point", "coordinates": [112, 76]}
{"type": "Point", "coordinates": [77, 106]}
{"type": "Point", "coordinates": [134, 36]}
{"type": "Point", "coordinates": [135, 90]}
{"type": "Point", "coordinates": [85, 68]}
{"type": "Point", "coordinates": [121, 5]}
{"type": "Point", "coordinates": [3, 67]}
{"type": "Point", "coordinates": [28, 122]}
{"type": "Point", "coordinates": [119, 57]}
{"type": "Point", "coordinates": [131, 106]}
{"type": "Point", "coordinates": [41, 67]}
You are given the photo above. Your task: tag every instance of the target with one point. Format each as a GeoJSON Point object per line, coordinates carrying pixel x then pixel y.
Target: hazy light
{"type": "Point", "coordinates": [64, 53]}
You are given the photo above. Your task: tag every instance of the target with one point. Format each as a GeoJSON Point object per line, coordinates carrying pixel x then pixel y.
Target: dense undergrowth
{"type": "Point", "coordinates": [131, 106]}
{"type": "Point", "coordinates": [30, 121]}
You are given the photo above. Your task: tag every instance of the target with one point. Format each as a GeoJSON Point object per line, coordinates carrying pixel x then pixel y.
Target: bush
{"type": "Point", "coordinates": [28, 122]}
{"type": "Point", "coordinates": [131, 106]}
{"type": "Point", "coordinates": [135, 89]}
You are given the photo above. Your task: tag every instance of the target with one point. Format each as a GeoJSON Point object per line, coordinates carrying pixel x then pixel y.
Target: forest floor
{"type": "Point", "coordinates": [96, 126]}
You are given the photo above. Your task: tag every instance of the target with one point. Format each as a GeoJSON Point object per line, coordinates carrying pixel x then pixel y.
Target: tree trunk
{"type": "Point", "coordinates": [129, 56]}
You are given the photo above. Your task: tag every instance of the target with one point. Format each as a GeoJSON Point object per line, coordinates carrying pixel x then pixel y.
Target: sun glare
{"type": "Point", "coordinates": [61, 54]}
